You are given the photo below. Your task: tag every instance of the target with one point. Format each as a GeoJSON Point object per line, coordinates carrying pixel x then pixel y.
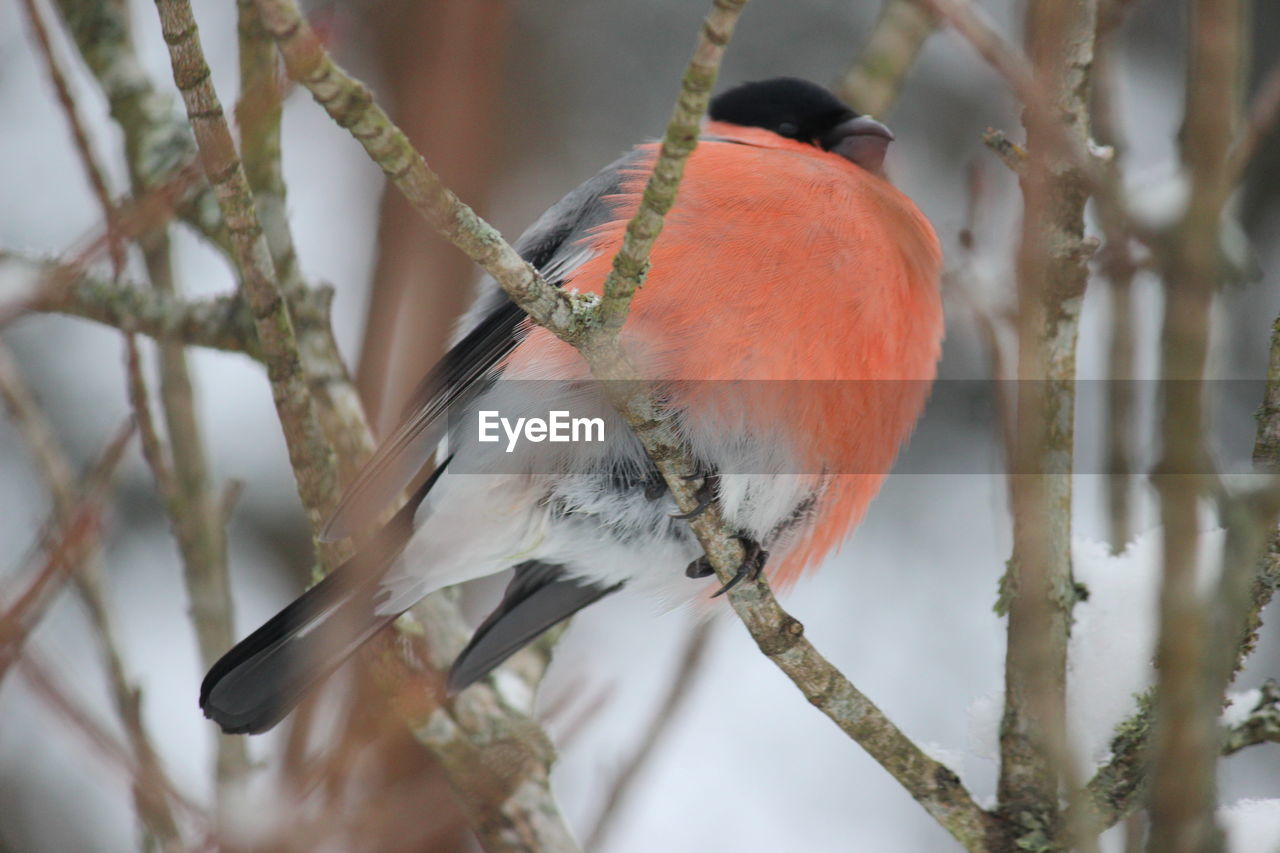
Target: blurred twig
{"type": "Point", "coordinates": [872, 83]}
{"type": "Point", "coordinates": [150, 798]}
{"type": "Point", "coordinates": [1118, 267]}
{"type": "Point", "coordinates": [310, 453]}
{"type": "Point", "coordinates": [1184, 740]}
{"type": "Point", "coordinates": [668, 711]}
{"type": "Point", "coordinates": [93, 171]}
{"type": "Point", "coordinates": [158, 142]}
{"type": "Point", "coordinates": [149, 778]}
{"type": "Point", "coordinates": [193, 510]}
{"type": "Point", "coordinates": [1263, 114]}
{"type": "Point", "coordinates": [1261, 726]}
{"type": "Point", "coordinates": [1052, 273]}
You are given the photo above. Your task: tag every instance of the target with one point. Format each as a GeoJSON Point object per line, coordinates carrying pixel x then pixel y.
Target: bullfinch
{"type": "Point", "coordinates": [792, 323]}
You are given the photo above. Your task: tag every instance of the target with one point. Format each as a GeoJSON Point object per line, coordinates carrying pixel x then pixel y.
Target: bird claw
{"type": "Point", "coordinates": [706, 494]}
{"type": "Point", "coordinates": [655, 487]}
{"type": "Point", "coordinates": [752, 565]}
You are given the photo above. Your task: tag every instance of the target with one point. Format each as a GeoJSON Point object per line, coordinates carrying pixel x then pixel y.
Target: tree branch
{"type": "Point", "coordinates": [872, 83]}
{"type": "Point", "coordinates": [1261, 726]}
{"type": "Point", "coordinates": [631, 263]}
{"type": "Point", "coordinates": [93, 171]}
{"type": "Point", "coordinates": [1184, 741]}
{"type": "Point", "coordinates": [158, 143]}
{"type": "Point", "coordinates": [1052, 273]}
{"type": "Point", "coordinates": [312, 456]}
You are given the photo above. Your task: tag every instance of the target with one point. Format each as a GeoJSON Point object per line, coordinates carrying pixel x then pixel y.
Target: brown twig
{"type": "Point", "coordinates": [1261, 121]}
{"type": "Point", "coordinates": [668, 711]}
{"type": "Point", "coordinates": [151, 804]}
{"type": "Point", "coordinates": [158, 143]}
{"type": "Point", "coordinates": [1184, 742]}
{"type": "Point", "coordinates": [312, 456]}
{"type": "Point", "coordinates": [631, 263]}
{"type": "Point", "coordinates": [1118, 267]}
{"type": "Point", "coordinates": [93, 171]}
{"type": "Point", "coordinates": [150, 779]}
{"type": "Point", "coordinates": [872, 83]}
{"type": "Point", "coordinates": [190, 500]}
{"type": "Point", "coordinates": [1052, 272]}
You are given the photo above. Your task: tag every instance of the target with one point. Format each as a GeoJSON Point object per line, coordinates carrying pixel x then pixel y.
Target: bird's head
{"type": "Point", "coordinates": [805, 112]}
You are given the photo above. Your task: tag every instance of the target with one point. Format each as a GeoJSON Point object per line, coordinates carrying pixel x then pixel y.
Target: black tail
{"type": "Point", "coordinates": [265, 675]}
{"type": "Point", "coordinates": [253, 686]}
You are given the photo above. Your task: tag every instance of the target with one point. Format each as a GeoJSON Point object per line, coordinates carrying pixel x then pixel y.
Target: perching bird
{"type": "Point", "coordinates": [792, 321]}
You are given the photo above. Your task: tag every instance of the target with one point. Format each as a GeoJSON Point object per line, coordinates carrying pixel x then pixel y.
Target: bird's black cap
{"type": "Point", "coordinates": [790, 107]}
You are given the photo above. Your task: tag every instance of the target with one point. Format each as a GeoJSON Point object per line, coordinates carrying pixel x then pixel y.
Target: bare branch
{"type": "Point", "coordinates": [1263, 114]}
{"type": "Point", "coordinates": [258, 112]}
{"type": "Point", "coordinates": [351, 105]}
{"type": "Point", "coordinates": [150, 797]}
{"type": "Point", "coordinates": [1261, 726]}
{"type": "Point", "coordinates": [158, 143]}
{"type": "Point", "coordinates": [872, 83]}
{"type": "Point", "coordinates": [779, 635]}
{"type": "Point", "coordinates": [94, 172]}
{"type": "Point", "coordinates": [679, 691]}
{"type": "Point", "coordinates": [1184, 741]}
{"type": "Point", "coordinates": [223, 323]}
{"type": "Point", "coordinates": [312, 456]}
{"type": "Point", "coordinates": [1052, 273]}
{"type": "Point", "coordinates": [631, 263]}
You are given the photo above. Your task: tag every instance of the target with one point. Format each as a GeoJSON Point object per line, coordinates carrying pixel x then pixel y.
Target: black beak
{"type": "Point", "coordinates": [861, 140]}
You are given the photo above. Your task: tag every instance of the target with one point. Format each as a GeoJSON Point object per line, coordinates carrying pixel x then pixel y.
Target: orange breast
{"type": "Point", "coordinates": [788, 265]}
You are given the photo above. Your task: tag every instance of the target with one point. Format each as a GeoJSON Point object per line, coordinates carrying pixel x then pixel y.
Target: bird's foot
{"type": "Point", "coordinates": [705, 494]}
{"type": "Point", "coordinates": [752, 564]}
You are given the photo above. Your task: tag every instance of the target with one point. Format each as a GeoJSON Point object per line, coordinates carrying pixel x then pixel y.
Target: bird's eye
{"type": "Point", "coordinates": [788, 129]}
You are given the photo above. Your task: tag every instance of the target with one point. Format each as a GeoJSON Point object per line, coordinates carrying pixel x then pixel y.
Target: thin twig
{"type": "Point", "coordinates": [1261, 726]}
{"type": "Point", "coordinates": [1261, 121]}
{"type": "Point", "coordinates": [872, 83]}
{"type": "Point", "coordinates": [149, 798]}
{"type": "Point", "coordinates": [258, 112]}
{"type": "Point", "coordinates": [151, 778]}
{"type": "Point", "coordinates": [191, 502]}
{"type": "Point", "coordinates": [1184, 744]}
{"type": "Point", "coordinates": [158, 143]}
{"type": "Point", "coordinates": [631, 263]}
{"type": "Point", "coordinates": [1116, 262]}
{"type": "Point", "coordinates": [312, 456]}
{"type": "Point", "coordinates": [1052, 272]}
{"type": "Point", "coordinates": [93, 171]}
{"type": "Point", "coordinates": [1013, 155]}
{"type": "Point", "coordinates": [223, 323]}
{"type": "Point", "coordinates": [668, 711]}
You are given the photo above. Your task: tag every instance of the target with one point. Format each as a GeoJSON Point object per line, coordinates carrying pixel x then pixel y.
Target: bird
{"type": "Point", "coordinates": [791, 322]}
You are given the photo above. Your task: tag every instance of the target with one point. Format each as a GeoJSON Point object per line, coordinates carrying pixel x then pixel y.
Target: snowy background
{"type": "Point", "coordinates": [905, 609]}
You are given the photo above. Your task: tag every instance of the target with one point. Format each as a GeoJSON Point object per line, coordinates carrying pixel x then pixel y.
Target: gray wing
{"type": "Point", "coordinates": [486, 335]}
{"type": "Point", "coordinates": [539, 596]}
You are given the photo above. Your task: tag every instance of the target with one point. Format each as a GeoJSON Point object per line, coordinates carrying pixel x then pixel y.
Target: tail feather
{"type": "Point", "coordinates": [265, 675]}
{"type": "Point", "coordinates": [257, 683]}
{"type": "Point", "coordinates": [539, 596]}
